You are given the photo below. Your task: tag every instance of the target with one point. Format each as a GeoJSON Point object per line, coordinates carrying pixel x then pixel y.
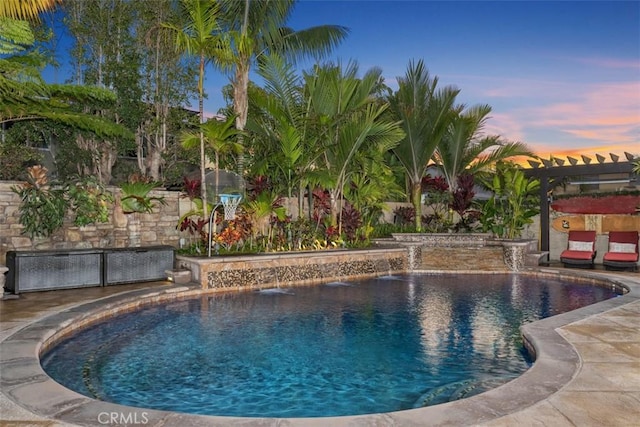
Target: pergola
{"type": "Point", "coordinates": [555, 168]}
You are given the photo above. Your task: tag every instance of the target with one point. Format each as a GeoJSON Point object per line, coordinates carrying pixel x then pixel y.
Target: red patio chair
{"type": "Point", "coordinates": [623, 251]}
{"type": "Point", "coordinates": [581, 250]}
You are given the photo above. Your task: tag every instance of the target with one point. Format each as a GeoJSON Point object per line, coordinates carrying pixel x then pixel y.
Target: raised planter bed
{"type": "Point", "coordinates": [291, 268]}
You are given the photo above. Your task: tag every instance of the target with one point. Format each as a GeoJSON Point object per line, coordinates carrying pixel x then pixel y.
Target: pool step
{"type": "Point", "coordinates": [460, 390]}
{"type": "Point", "coordinates": [536, 258]}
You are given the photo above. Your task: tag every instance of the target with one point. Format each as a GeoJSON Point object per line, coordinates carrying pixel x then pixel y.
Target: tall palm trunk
{"type": "Point", "coordinates": [241, 106]}
{"type": "Point", "coordinates": [416, 200]}
{"type": "Point", "coordinates": [203, 187]}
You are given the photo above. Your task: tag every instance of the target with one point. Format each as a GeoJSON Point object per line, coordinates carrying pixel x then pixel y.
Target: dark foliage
{"type": "Point", "coordinates": [463, 196]}
{"type": "Point", "coordinates": [321, 204]}
{"type": "Point", "coordinates": [191, 187]}
{"type": "Point", "coordinates": [434, 184]}
{"type": "Point", "coordinates": [404, 215]}
{"type": "Point", "coordinates": [258, 185]}
{"type": "Point", "coordinates": [351, 222]}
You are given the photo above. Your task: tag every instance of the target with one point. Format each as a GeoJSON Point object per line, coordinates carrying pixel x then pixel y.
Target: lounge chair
{"type": "Point", "coordinates": [623, 251]}
{"type": "Point", "coordinates": [581, 250]}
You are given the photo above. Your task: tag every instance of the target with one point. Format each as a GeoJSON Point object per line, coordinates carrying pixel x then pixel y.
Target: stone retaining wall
{"type": "Point", "coordinates": [132, 230]}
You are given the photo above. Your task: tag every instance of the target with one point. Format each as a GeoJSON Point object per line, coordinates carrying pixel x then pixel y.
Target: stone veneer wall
{"type": "Point", "coordinates": [488, 258]}
{"type": "Point", "coordinates": [458, 251]}
{"type": "Point", "coordinates": [132, 230]}
{"type": "Point", "coordinates": [272, 270]}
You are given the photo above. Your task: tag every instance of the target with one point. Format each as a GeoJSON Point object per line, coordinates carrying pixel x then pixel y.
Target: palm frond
{"type": "Point", "coordinates": [25, 9]}
{"type": "Point", "coordinates": [15, 36]}
{"type": "Point", "coordinates": [425, 112]}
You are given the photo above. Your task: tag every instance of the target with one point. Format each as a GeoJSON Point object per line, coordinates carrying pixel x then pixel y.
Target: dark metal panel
{"type": "Point", "coordinates": [48, 270]}
{"type": "Point", "coordinates": [128, 265]}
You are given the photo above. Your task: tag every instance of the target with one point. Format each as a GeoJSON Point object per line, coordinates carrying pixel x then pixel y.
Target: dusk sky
{"type": "Point", "coordinates": [561, 76]}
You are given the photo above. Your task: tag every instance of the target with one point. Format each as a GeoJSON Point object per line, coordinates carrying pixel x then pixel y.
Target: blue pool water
{"type": "Point", "coordinates": [379, 345]}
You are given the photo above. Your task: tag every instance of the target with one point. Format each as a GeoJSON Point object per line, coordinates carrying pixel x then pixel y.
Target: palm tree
{"type": "Point", "coordinates": [349, 121]}
{"type": "Point", "coordinates": [464, 148]}
{"type": "Point", "coordinates": [218, 136]}
{"type": "Point", "coordinates": [426, 114]}
{"type": "Point", "coordinates": [257, 28]}
{"type": "Point", "coordinates": [281, 127]}
{"type": "Point", "coordinates": [199, 36]}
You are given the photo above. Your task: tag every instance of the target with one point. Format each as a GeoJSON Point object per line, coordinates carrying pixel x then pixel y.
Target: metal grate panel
{"type": "Point", "coordinates": [38, 271]}
{"type": "Point", "coordinates": [137, 264]}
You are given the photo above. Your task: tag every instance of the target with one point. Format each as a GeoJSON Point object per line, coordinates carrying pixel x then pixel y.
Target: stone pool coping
{"type": "Point", "coordinates": [24, 382]}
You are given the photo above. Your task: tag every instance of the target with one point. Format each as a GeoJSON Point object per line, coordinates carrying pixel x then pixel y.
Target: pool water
{"type": "Point", "coordinates": [378, 345]}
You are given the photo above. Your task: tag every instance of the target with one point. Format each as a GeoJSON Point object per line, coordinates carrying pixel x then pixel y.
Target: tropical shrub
{"type": "Point", "coordinates": [135, 195]}
{"type": "Point", "coordinates": [89, 201]}
{"type": "Point", "coordinates": [43, 207]}
{"type": "Point", "coordinates": [437, 197]}
{"type": "Point", "coordinates": [351, 225]}
{"type": "Point", "coordinates": [513, 204]}
{"type": "Point", "coordinates": [404, 215]}
{"type": "Point", "coordinates": [461, 203]}
{"type": "Point", "coordinates": [14, 157]}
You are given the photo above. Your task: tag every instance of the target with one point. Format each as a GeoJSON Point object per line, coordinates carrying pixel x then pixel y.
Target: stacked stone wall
{"type": "Point", "coordinates": [487, 258]}
{"type": "Point", "coordinates": [130, 230]}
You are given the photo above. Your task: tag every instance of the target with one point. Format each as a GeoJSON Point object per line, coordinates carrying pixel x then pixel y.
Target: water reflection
{"type": "Point", "coordinates": [372, 346]}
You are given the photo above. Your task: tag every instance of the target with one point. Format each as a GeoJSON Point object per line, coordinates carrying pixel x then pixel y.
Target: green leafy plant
{"type": "Point", "coordinates": [385, 230]}
{"type": "Point", "coordinates": [89, 200]}
{"type": "Point", "coordinates": [14, 156]}
{"type": "Point", "coordinates": [135, 196]}
{"type": "Point", "coordinates": [42, 208]}
{"type": "Point", "coordinates": [513, 203]}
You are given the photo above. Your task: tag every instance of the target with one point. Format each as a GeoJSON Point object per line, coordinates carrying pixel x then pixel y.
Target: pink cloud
{"type": "Point", "coordinates": [608, 62]}
{"type": "Point", "coordinates": [605, 112]}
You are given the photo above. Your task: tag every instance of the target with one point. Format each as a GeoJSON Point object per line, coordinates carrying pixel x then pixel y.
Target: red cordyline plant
{"type": "Point", "coordinates": [462, 201]}
{"type": "Point", "coordinates": [434, 184]}
{"type": "Point", "coordinates": [463, 196]}
{"type": "Point", "coordinates": [321, 204]}
{"type": "Point", "coordinates": [258, 185]}
{"type": "Point", "coordinates": [194, 227]}
{"type": "Point", "coordinates": [331, 234]}
{"type": "Point", "coordinates": [404, 215]}
{"type": "Point", "coordinates": [351, 222]}
{"type": "Point", "coordinates": [191, 187]}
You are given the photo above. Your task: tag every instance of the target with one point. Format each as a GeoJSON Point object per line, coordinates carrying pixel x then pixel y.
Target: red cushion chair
{"type": "Point", "coordinates": [581, 251]}
{"type": "Point", "coordinates": [623, 251]}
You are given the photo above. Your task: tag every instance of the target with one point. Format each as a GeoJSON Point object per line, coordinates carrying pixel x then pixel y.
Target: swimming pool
{"type": "Point", "coordinates": [379, 345]}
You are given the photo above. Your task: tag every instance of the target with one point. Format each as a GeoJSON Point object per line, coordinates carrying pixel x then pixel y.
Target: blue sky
{"type": "Point", "coordinates": [561, 76]}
